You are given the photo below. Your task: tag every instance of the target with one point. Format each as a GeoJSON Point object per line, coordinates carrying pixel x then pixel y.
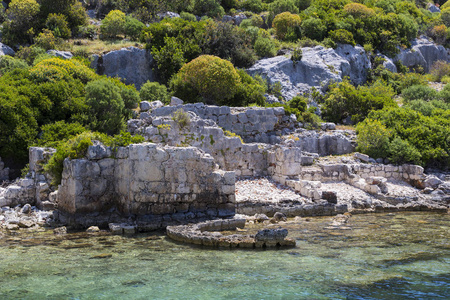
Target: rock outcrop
{"type": "Point", "coordinates": [6, 50]}
{"type": "Point", "coordinates": [424, 53]}
{"type": "Point", "coordinates": [61, 54]}
{"type": "Point", "coordinates": [132, 64]}
{"type": "Point", "coordinates": [318, 68]}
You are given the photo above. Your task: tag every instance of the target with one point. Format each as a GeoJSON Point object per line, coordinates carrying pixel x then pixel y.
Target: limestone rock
{"type": "Point", "coordinates": [362, 157]}
{"type": "Point", "coordinates": [6, 50]}
{"type": "Point", "coordinates": [26, 209]}
{"type": "Point", "coordinates": [422, 53]}
{"type": "Point", "coordinates": [278, 217]}
{"type": "Point", "coordinates": [318, 67]}
{"type": "Point", "coordinates": [26, 223]}
{"type": "Point", "coordinates": [433, 8]}
{"type": "Point", "coordinates": [132, 64]}
{"type": "Point", "coordinates": [61, 54]}
{"type": "Point", "coordinates": [60, 230]}
{"type": "Point", "coordinates": [432, 182]}
{"type": "Point", "coordinates": [93, 229]}
{"type": "Point", "coordinates": [174, 101]}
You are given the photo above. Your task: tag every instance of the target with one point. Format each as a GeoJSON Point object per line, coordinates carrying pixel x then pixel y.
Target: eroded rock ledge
{"type": "Point", "coordinates": [207, 234]}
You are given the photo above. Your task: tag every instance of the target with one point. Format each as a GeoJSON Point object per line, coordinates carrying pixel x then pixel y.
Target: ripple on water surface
{"type": "Point", "coordinates": [379, 256]}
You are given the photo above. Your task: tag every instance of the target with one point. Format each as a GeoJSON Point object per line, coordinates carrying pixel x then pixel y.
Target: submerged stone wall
{"type": "Point", "coordinates": [146, 180]}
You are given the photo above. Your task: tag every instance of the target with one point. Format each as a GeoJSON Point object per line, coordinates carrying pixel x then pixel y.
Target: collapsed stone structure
{"type": "Point", "coordinates": [187, 169]}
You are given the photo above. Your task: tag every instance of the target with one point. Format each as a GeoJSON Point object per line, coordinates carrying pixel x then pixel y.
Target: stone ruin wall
{"type": "Point", "coordinates": [146, 180]}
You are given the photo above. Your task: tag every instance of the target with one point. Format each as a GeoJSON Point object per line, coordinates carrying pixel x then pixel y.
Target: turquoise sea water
{"type": "Point", "coordinates": [378, 256]}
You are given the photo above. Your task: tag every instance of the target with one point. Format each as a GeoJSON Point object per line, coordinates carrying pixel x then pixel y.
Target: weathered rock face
{"type": "Point", "coordinates": [61, 54]}
{"type": "Point", "coordinates": [318, 67]}
{"type": "Point", "coordinates": [6, 50]}
{"type": "Point", "coordinates": [145, 179]}
{"type": "Point", "coordinates": [132, 64]}
{"type": "Point", "coordinates": [423, 53]}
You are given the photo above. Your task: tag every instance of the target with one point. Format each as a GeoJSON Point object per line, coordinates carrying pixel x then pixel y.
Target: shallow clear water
{"type": "Point", "coordinates": [379, 256]}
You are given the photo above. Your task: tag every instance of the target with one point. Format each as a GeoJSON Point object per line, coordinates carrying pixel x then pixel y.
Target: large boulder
{"type": "Point", "coordinates": [318, 68]}
{"type": "Point", "coordinates": [132, 64]}
{"type": "Point", "coordinates": [6, 50]}
{"type": "Point", "coordinates": [423, 52]}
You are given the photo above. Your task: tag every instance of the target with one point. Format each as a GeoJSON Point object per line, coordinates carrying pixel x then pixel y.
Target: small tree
{"type": "Point", "coordinates": [373, 138]}
{"type": "Point", "coordinates": [283, 22]}
{"type": "Point", "coordinates": [208, 78]}
{"type": "Point", "coordinates": [22, 15]}
{"type": "Point", "coordinates": [152, 91]}
{"type": "Point", "coordinates": [57, 23]}
{"type": "Point", "coordinates": [113, 24]}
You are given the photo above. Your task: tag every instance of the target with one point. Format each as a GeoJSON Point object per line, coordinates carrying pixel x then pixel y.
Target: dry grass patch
{"type": "Point", "coordinates": [97, 46]}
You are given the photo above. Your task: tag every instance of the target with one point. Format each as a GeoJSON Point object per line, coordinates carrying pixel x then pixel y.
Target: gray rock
{"type": "Point", "coordinates": [271, 235]}
{"type": "Point", "coordinates": [174, 101]}
{"type": "Point", "coordinates": [261, 217]}
{"type": "Point", "coordinates": [26, 223]}
{"type": "Point", "coordinates": [432, 181]}
{"type": "Point", "coordinates": [132, 64]}
{"type": "Point", "coordinates": [277, 217]}
{"type": "Point", "coordinates": [144, 106]}
{"type": "Point", "coordinates": [318, 67]}
{"type": "Point", "coordinates": [330, 196]}
{"type": "Point", "coordinates": [422, 53]}
{"type": "Point", "coordinates": [93, 229]}
{"type": "Point", "coordinates": [168, 14]}
{"type": "Point", "coordinates": [388, 63]}
{"type": "Point", "coordinates": [61, 54]}
{"type": "Point", "coordinates": [362, 157]}
{"type": "Point", "coordinates": [60, 230]}
{"type": "Point", "coordinates": [26, 209]}
{"type": "Point", "coordinates": [6, 50]}
{"type": "Point", "coordinates": [434, 9]}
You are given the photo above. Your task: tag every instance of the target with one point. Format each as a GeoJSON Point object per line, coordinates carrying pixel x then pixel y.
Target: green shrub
{"type": "Point", "coordinates": [373, 138]}
{"type": "Point", "coordinates": [265, 47]}
{"type": "Point", "coordinates": [253, 5]}
{"type": "Point", "coordinates": [419, 92]}
{"type": "Point", "coordinates": [445, 16]}
{"type": "Point", "coordinates": [439, 69]}
{"type": "Point", "coordinates": [251, 90]}
{"type": "Point", "coordinates": [299, 103]}
{"type": "Point", "coordinates": [58, 24]}
{"type": "Point", "coordinates": [344, 100]}
{"type": "Point", "coordinates": [8, 63]}
{"type": "Point", "coordinates": [152, 91]}
{"type": "Point", "coordinates": [46, 40]}
{"type": "Point", "coordinates": [313, 28]}
{"type": "Point", "coordinates": [401, 152]}
{"type": "Point", "coordinates": [169, 58]}
{"type": "Point", "coordinates": [132, 27]}
{"type": "Point", "coordinates": [280, 6]}
{"type": "Point", "coordinates": [206, 78]}
{"type": "Point", "coordinates": [55, 133]}
{"type": "Point", "coordinates": [22, 18]}
{"type": "Point", "coordinates": [106, 106]}
{"type": "Point", "coordinates": [29, 54]}
{"type": "Point", "coordinates": [113, 24]}
{"type": "Point", "coordinates": [188, 17]}
{"type": "Point", "coordinates": [211, 8]}
{"type": "Point", "coordinates": [283, 22]}
{"type": "Point", "coordinates": [342, 36]}
{"type": "Point", "coordinates": [296, 55]}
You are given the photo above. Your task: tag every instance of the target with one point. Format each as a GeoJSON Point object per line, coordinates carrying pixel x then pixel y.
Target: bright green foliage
{"type": "Point", "coordinates": [132, 27]}
{"type": "Point", "coordinates": [430, 135]}
{"type": "Point", "coordinates": [265, 47]}
{"type": "Point", "coordinates": [72, 9]}
{"type": "Point", "coordinates": [419, 92]}
{"type": "Point", "coordinates": [400, 151]}
{"type": "Point", "coordinates": [113, 24]}
{"type": "Point", "coordinates": [280, 6]}
{"type": "Point", "coordinates": [313, 28]}
{"type": "Point", "coordinates": [303, 4]}
{"type": "Point", "coordinates": [8, 63]}
{"type": "Point", "coordinates": [46, 40]}
{"type": "Point", "coordinates": [55, 133]}
{"type": "Point", "coordinates": [445, 94]}
{"type": "Point", "coordinates": [169, 58]}
{"type": "Point", "coordinates": [153, 91]}
{"type": "Point", "coordinates": [253, 5]}
{"type": "Point", "coordinates": [188, 17]}
{"type": "Point", "coordinates": [299, 103]}
{"type": "Point", "coordinates": [445, 16]}
{"type": "Point", "coordinates": [22, 17]}
{"type": "Point", "coordinates": [440, 69]}
{"type": "Point", "coordinates": [59, 69]}
{"type": "Point", "coordinates": [358, 10]}
{"type": "Point", "coordinates": [283, 22]}
{"type": "Point", "coordinates": [428, 108]}
{"type": "Point", "coordinates": [106, 106]}
{"type": "Point", "coordinates": [251, 90]}
{"type": "Point", "coordinates": [211, 8]}
{"type": "Point", "coordinates": [344, 100]}
{"type": "Point", "coordinates": [57, 23]}
{"type": "Point", "coordinates": [342, 36]}
{"type": "Point", "coordinates": [206, 78]}
{"type": "Point", "coordinates": [29, 54]}
{"type": "Point", "coordinates": [373, 138]}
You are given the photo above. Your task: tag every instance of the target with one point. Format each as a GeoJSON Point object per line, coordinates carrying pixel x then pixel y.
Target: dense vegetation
{"type": "Point", "coordinates": [201, 57]}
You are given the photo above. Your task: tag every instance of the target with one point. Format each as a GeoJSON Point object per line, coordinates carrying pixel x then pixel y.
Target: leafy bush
{"type": "Point", "coordinates": [265, 47]}
{"type": "Point", "coordinates": [419, 92]}
{"type": "Point", "coordinates": [280, 6]}
{"type": "Point", "coordinates": [358, 10]}
{"type": "Point", "coordinates": [29, 54]}
{"type": "Point", "coordinates": [55, 133]}
{"type": "Point", "coordinates": [313, 28]}
{"type": "Point", "coordinates": [206, 78]}
{"type": "Point", "coordinates": [401, 152]}
{"type": "Point", "coordinates": [8, 63]}
{"type": "Point", "coordinates": [169, 58]}
{"type": "Point", "coordinates": [59, 26]}
{"type": "Point", "coordinates": [22, 18]}
{"type": "Point", "coordinates": [373, 138]}
{"type": "Point", "coordinates": [283, 22]}
{"type": "Point", "coordinates": [211, 8]}
{"type": "Point", "coordinates": [342, 36]}
{"type": "Point", "coordinates": [113, 24]}
{"type": "Point", "coordinates": [188, 17]}
{"type": "Point", "coordinates": [152, 91]}
{"type": "Point", "coordinates": [344, 100]}
{"type": "Point", "coordinates": [46, 40]}
{"type": "Point", "coordinates": [253, 5]}
{"type": "Point", "coordinates": [296, 55]}
{"type": "Point", "coordinates": [106, 106]}
{"type": "Point", "coordinates": [445, 16]}
{"type": "Point", "coordinates": [251, 90]}
{"type": "Point", "coordinates": [132, 27]}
